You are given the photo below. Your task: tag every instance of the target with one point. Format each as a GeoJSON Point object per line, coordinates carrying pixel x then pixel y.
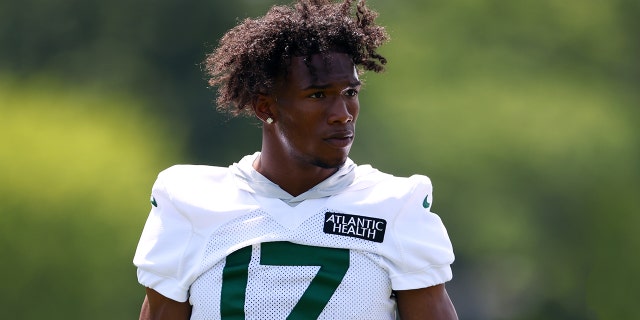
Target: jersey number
{"type": "Point", "coordinates": [333, 262]}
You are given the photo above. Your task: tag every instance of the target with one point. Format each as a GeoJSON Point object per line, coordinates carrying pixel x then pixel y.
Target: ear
{"type": "Point", "coordinates": [264, 107]}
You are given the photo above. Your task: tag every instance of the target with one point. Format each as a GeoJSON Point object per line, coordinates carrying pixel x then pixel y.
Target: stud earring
{"type": "Point", "coordinates": [269, 120]}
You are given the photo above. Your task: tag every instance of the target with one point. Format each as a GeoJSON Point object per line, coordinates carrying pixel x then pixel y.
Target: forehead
{"type": "Point", "coordinates": [321, 70]}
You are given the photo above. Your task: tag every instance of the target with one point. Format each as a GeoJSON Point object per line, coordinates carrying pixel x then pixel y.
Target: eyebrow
{"type": "Point", "coordinates": [324, 86]}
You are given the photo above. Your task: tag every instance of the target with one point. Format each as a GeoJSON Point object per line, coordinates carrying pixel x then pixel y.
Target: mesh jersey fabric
{"type": "Point", "coordinates": [238, 253]}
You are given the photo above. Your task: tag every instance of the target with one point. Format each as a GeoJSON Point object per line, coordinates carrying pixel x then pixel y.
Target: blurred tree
{"type": "Point", "coordinates": [77, 169]}
{"type": "Point", "coordinates": [523, 114]}
{"type": "Point", "coordinates": [147, 49]}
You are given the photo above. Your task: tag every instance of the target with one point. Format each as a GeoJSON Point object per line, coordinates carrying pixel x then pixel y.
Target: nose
{"type": "Point", "coordinates": [343, 111]}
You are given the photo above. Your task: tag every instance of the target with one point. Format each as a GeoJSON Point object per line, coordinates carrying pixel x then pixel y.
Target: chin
{"type": "Point", "coordinates": [330, 164]}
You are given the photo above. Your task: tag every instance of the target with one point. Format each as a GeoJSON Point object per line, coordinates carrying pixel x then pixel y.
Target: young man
{"type": "Point", "coordinates": [296, 231]}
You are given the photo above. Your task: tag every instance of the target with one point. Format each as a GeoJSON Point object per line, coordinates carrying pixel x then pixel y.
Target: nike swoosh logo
{"type": "Point", "coordinates": [426, 203]}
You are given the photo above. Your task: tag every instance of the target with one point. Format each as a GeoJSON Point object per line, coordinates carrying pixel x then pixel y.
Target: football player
{"type": "Point", "coordinates": [297, 230]}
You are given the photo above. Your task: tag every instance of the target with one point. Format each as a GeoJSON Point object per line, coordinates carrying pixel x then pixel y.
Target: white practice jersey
{"type": "Point", "coordinates": [237, 254]}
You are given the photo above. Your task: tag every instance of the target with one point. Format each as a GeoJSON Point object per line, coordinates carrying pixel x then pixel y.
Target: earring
{"type": "Point", "coordinates": [269, 120]}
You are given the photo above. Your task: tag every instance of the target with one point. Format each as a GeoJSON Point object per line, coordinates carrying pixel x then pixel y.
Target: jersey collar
{"type": "Point", "coordinates": [252, 181]}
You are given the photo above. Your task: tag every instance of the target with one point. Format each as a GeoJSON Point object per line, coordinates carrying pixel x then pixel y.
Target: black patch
{"type": "Point", "coordinates": [361, 227]}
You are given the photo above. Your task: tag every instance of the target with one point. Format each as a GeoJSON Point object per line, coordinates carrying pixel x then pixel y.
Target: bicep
{"type": "Point", "coordinates": [425, 303]}
{"type": "Point", "coordinates": [158, 307]}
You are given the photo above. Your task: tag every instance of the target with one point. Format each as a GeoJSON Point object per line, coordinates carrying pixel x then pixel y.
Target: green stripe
{"type": "Point", "coordinates": [234, 283]}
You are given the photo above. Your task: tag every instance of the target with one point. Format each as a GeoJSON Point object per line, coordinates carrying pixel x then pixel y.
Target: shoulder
{"type": "Point", "coordinates": [192, 176]}
{"type": "Point", "coordinates": [368, 177]}
{"type": "Point", "coordinates": [412, 193]}
{"type": "Point", "coordinates": [376, 191]}
{"type": "Point", "coordinates": [416, 182]}
{"type": "Point", "coordinates": [195, 184]}
{"type": "Point", "coordinates": [183, 172]}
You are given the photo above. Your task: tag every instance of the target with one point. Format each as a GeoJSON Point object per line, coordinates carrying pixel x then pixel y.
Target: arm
{"type": "Point", "coordinates": [431, 303]}
{"type": "Point", "coordinates": [159, 307]}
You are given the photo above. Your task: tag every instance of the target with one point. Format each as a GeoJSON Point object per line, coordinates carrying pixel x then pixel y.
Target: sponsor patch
{"type": "Point", "coordinates": [361, 227]}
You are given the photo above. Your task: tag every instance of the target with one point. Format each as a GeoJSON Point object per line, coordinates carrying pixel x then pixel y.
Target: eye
{"type": "Point", "coordinates": [350, 92]}
{"type": "Point", "coordinates": [317, 95]}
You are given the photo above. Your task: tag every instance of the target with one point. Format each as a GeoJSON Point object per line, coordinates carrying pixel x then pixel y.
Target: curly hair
{"type": "Point", "coordinates": [252, 55]}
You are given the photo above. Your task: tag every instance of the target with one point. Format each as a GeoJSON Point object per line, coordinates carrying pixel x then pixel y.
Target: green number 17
{"type": "Point", "coordinates": [333, 263]}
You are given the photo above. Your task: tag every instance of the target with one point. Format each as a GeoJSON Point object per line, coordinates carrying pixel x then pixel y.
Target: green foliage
{"type": "Point", "coordinates": [523, 114]}
{"type": "Point", "coordinates": [77, 167]}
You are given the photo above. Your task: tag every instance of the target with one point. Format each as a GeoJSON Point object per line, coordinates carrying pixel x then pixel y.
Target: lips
{"type": "Point", "coordinates": [340, 139]}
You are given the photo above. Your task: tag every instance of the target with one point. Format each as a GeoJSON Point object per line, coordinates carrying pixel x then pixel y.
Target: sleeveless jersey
{"type": "Point", "coordinates": [236, 254]}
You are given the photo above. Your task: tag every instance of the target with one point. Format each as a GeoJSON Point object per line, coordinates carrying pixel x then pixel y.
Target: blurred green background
{"type": "Point", "coordinates": [523, 113]}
